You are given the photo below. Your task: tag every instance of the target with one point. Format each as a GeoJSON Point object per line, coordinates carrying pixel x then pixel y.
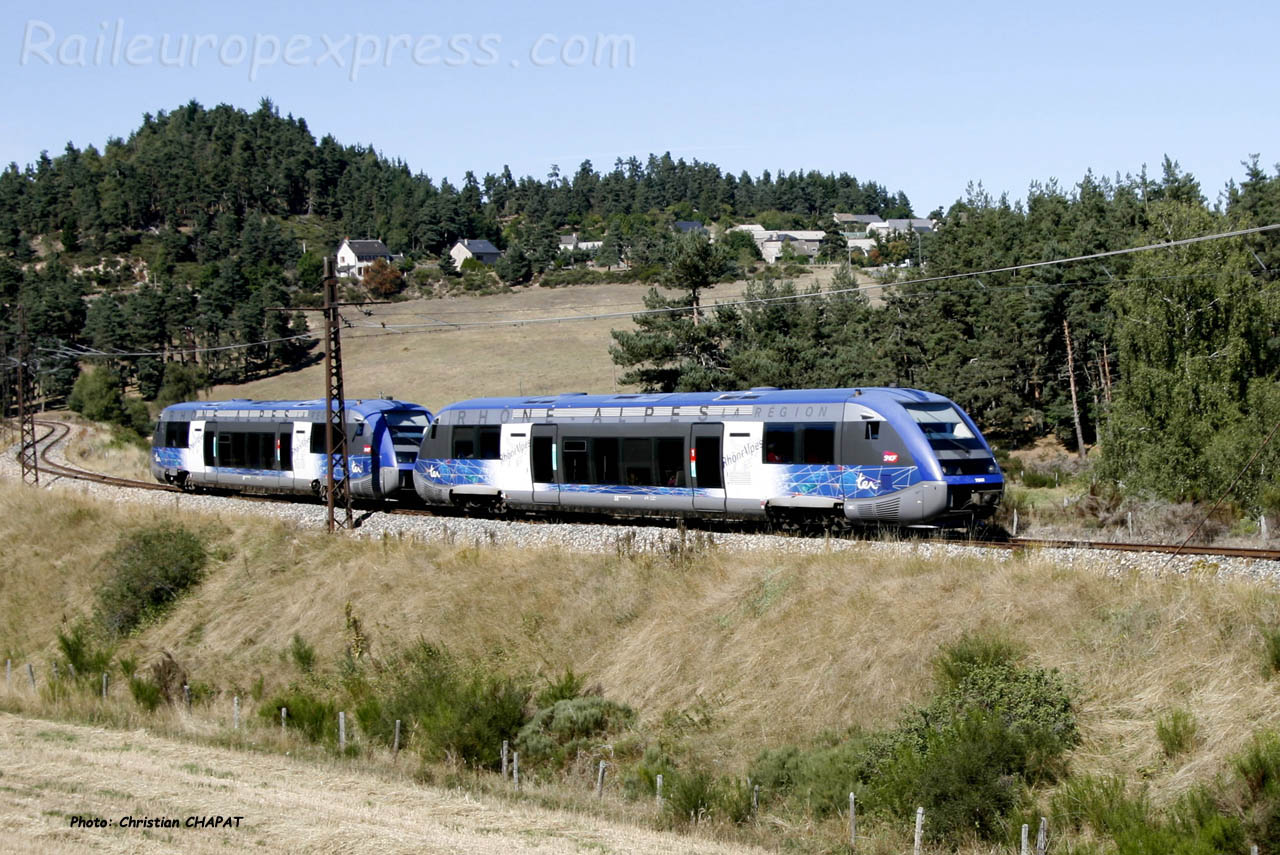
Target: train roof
{"type": "Point", "coordinates": [762, 396]}
{"type": "Point", "coordinates": [360, 406]}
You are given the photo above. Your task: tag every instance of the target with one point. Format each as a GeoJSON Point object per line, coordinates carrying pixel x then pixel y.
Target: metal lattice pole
{"type": "Point", "coordinates": [27, 457]}
{"type": "Point", "coordinates": [337, 493]}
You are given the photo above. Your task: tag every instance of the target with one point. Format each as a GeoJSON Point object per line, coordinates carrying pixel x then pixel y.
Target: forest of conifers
{"type": "Point", "coordinates": [185, 233]}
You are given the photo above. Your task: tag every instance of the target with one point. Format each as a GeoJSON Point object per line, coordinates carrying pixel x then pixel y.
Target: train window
{"type": "Point", "coordinates": [464, 443]}
{"type": "Point", "coordinates": [490, 439]}
{"type": "Point", "coordinates": [480, 443]}
{"type": "Point", "coordinates": [818, 443]}
{"type": "Point", "coordinates": [637, 462]}
{"type": "Point", "coordinates": [406, 427]}
{"type": "Point", "coordinates": [317, 439]}
{"type": "Point", "coordinates": [176, 434]}
{"type": "Point", "coordinates": [544, 471]}
{"type": "Point", "coordinates": [284, 450]}
{"type": "Point", "coordinates": [670, 462]}
{"type": "Point", "coordinates": [812, 443]}
{"type": "Point", "coordinates": [873, 430]}
{"type": "Point", "coordinates": [577, 469]}
{"type": "Point", "coordinates": [604, 459]}
{"type": "Point", "coordinates": [779, 444]}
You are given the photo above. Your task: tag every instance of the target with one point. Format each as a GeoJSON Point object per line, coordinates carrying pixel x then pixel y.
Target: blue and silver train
{"type": "Point", "coordinates": [279, 446]}
{"type": "Point", "coordinates": [895, 456]}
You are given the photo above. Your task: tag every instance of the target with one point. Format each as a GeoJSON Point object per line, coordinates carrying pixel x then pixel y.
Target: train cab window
{"type": "Point", "coordinates": [490, 439]}
{"type": "Point", "coordinates": [175, 434]}
{"type": "Point", "coordinates": [873, 430]}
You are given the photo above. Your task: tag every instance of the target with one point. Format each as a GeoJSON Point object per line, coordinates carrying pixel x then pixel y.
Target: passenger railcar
{"type": "Point", "coordinates": [279, 446]}
{"type": "Point", "coordinates": [898, 456]}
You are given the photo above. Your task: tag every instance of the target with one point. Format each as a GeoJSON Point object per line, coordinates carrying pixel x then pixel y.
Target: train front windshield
{"type": "Point", "coordinates": [943, 426]}
{"type": "Point", "coordinates": [407, 427]}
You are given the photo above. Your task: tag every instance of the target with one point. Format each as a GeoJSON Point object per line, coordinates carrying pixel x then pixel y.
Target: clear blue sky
{"type": "Point", "coordinates": [920, 97]}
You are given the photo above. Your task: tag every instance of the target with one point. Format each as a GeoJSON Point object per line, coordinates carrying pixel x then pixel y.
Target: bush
{"type": "Point", "coordinates": [564, 688]}
{"type": "Point", "coordinates": [1271, 649]}
{"type": "Point", "coordinates": [559, 731]}
{"type": "Point", "coordinates": [968, 757]}
{"type": "Point", "coordinates": [699, 796]}
{"type": "Point", "coordinates": [146, 571]}
{"type": "Point", "coordinates": [1176, 732]}
{"type": "Point", "coordinates": [80, 651]}
{"type": "Point", "coordinates": [449, 708]}
{"type": "Point", "coordinates": [146, 693]}
{"type": "Point", "coordinates": [303, 654]}
{"type": "Point", "coordinates": [96, 395]}
{"type": "Point", "coordinates": [955, 661]}
{"type": "Point", "coordinates": [315, 718]}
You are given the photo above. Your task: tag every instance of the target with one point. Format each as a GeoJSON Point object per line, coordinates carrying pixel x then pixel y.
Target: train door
{"type": "Point", "coordinates": [706, 467]}
{"type": "Point", "coordinates": [514, 476]}
{"type": "Point", "coordinates": [543, 463]}
{"type": "Point", "coordinates": [284, 447]}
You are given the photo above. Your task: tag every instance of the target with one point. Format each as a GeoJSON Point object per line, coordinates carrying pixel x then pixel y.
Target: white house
{"type": "Point", "coordinates": [480, 249]}
{"type": "Point", "coordinates": [355, 256]}
{"type": "Point", "coordinates": [568, 243]}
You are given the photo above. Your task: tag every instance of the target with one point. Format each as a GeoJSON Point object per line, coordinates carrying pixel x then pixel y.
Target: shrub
{"type": "Point", "coordinates": [147, 570]}
{"type": "Point", "coordinates": [1176, 732]}
{"type": "Point", "coordinates": [559, 731]}
{"type": "Point", "coordinates": [1271, 649]}
{"type": "Point", "coordinates": [450, 709]}
{"type": "Point", "coordinates": [974, 650]}
{"type": "Point", "coordinates": [315, 718]}
{"type": "Point", "coordinates": [969, 776]}
{"type": "Point", "coordinates": [146, 693]}
{"type": "Point", "coordinates": [566, 687]}
{"type": "Point", "coordinates": [79, 649]}
{"type": "Point", "coordinates": [303, 654]}
{"type": "Point", "coordinates": [699, 796]}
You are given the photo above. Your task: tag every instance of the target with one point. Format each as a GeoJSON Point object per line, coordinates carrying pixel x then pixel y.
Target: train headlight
{"type": "Point", "coordinates": [992, 468]}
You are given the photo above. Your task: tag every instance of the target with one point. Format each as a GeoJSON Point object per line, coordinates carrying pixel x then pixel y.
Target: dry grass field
{"type": "Point", "coordinates": [54, 771]}
{"type": "Point", "coordinates": [759, 649]}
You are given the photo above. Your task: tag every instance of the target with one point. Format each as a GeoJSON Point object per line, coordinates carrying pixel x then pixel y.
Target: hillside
{"type": "Point", "coordinates": [721, 654]}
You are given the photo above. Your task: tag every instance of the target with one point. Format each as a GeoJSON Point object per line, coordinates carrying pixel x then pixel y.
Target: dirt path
{"type": "Point", "coordinates": [50, 772]}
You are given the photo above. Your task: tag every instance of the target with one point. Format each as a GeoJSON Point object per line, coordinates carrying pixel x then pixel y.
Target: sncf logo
{"type": "Point", "coordinates": [890, 456]}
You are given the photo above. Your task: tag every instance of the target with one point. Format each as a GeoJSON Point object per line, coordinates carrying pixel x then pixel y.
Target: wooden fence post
{"type": "Point", "coordinates": [342, 731]}
{"type": "Point", "coordinates": [853, 822]}
{"type": "Point", "coordinates": [104, 685]}
{"type": "Point", "coordinates": [504, 759]}
{"type": "Point", "coordinates": [31, 672]}
{"type": "Point", "coordinates": [1042, 838]}
{"type": "Point", "coordinates": [8, 672]}
{"type": "Point", "coordinates": [600, 781]}
{"type": "Point", "coordinates": [235, 713]}
{"type": "Point", "coordinates": [186, 695]}
{"type": "Point", "coordinates": [919, 838]}
{"type": "Point", "coordinates": [284, 716]}
{"type": "Point", "coordinates": [55, 672]}
{"type": "Point", "coordinates": [658, 788]}
{"type": "Point", "coordinates": [515, 770]}
{"type": "Point", "coordinates": [395, 746]}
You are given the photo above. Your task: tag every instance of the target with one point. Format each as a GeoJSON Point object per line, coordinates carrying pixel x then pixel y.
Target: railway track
{"type": "Point", "coordinates": [56, 432]}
